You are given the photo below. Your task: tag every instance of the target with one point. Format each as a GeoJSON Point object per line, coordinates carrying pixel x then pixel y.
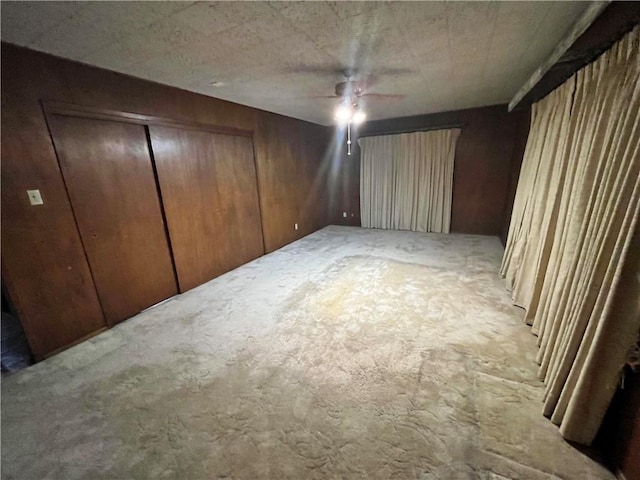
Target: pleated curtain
{"type": "Point", "coordinates": [406, 180]}
{"type": "Point", "coordinates": [575, 214]}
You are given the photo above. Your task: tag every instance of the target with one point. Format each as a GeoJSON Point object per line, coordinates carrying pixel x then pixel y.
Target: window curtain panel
{"type": "Point", "coordinates": [406, 180]}
{"type": "Point", "coordinates": [568, 258]}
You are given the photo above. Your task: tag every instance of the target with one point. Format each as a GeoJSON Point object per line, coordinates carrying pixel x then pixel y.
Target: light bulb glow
{"type": "Point", "coordinates": [358, 117]}
{"type": "Point", "coordinates": [343, 114]}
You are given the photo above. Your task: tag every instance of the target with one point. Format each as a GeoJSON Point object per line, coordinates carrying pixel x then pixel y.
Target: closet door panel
{"type": "Point", "coordinates": [209, 191]}
{"type": "Point", "coordinates": [109, 176]}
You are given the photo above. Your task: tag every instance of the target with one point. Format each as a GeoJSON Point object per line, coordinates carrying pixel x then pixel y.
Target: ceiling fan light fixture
{"type": "Point", "coordinates": [358, 117]}
{"type": "Point", "coordinates": [343, 114]}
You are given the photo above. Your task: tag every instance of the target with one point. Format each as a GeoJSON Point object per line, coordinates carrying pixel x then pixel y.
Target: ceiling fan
{"type": "Point", "coordinates": [352, 88]}
{"type": "Point", "coordinates": [350, 92]}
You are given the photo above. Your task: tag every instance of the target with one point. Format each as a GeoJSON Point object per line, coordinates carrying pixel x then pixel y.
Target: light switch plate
{"type": "Point", "coordinates": [34, 197]}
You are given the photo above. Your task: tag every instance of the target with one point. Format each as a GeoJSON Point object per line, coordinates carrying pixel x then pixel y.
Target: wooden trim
{"type": "Point", "coordinates": [39, 358]}
{"type": "Point", "coordinates": [578, 28]}
{"type": "Point", "coordinates": [71, 110]}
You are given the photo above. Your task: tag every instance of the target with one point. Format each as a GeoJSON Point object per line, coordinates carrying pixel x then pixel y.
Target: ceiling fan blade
{"type": "Point", "coordinates": [382, 96]}
{"type": "Point", "coordinates": [391, 71]}
{"type": "Point", "coordinates": [323, 96]}
{"type": "Point", "coordinates": [335, 70]}
{"type": "Point", "coordinates": [364, 81]}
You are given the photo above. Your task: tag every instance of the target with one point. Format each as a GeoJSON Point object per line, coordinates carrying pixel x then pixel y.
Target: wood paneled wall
{"type": "Point", "coordinates": [43, 261]}
{"type": "Point", "coordinates": [488, 154]}
{"type": "Point", "coordinates": [523, 122]}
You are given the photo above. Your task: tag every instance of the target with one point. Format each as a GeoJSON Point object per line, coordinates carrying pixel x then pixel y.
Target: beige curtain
{"type": "Point", "coordinates": [406, 180]}
{"type": "Point", "coordinates": [567, 257]}
{"type": "Point", "coordinates": [537, 195]}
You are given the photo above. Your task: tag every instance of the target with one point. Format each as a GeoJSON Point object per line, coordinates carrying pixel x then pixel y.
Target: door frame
{"type": "Point", "coordinates": [72, 110]}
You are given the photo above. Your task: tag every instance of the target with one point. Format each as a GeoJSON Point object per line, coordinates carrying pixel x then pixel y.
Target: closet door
{"type": "Point", "coordinates": [109, 176]}
{"type": "Point", "coordinates": [210, 195]}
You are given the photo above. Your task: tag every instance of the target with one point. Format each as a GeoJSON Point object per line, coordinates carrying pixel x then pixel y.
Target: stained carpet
{"type": "Point", "coordinates": [351, 353]}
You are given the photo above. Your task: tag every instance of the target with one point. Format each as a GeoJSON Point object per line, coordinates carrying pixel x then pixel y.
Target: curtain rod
{"type": "Point", "coordinates": [413, 130]}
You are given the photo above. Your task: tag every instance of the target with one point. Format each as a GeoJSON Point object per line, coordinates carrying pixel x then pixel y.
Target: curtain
{"type": "Point", "coordinates": [567, 257]}
{"type": "Point", "coordinates": [537, 194]}
{"type": "Point", "coordinates": [406, 180]}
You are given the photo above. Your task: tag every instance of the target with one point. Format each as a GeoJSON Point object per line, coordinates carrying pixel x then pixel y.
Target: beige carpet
{"type": "Point", "coordinates": [351, 353]}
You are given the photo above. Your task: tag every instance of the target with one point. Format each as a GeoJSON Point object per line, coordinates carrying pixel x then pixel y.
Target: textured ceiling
{"type": "Point", "coordinates": [278, 55]}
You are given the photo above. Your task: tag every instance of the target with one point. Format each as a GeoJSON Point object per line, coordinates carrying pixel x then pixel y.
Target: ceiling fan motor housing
{"type": "Point", "coordinates": [349, 89]}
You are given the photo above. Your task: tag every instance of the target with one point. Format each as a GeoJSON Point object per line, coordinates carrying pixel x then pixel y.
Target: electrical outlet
{"type": "Point", "coordinates": [344, 214]}
{"type": "Point", "coordinates": [295, 226]}
{"type": "Point", "coordinates": [34, 197]}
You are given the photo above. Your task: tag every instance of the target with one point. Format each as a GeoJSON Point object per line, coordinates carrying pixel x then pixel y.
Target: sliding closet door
{"type": "Point", "coordinates": [209, 190]}
{"type": "Point", "coordinates": [109, 176]}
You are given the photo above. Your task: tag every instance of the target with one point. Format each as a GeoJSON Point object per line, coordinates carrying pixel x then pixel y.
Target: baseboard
{"type": "Point", "coordinates": [39, 358]}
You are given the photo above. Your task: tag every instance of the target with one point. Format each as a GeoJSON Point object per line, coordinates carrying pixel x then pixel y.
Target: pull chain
{"type": "Point", "coordinates": [349, 138]}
